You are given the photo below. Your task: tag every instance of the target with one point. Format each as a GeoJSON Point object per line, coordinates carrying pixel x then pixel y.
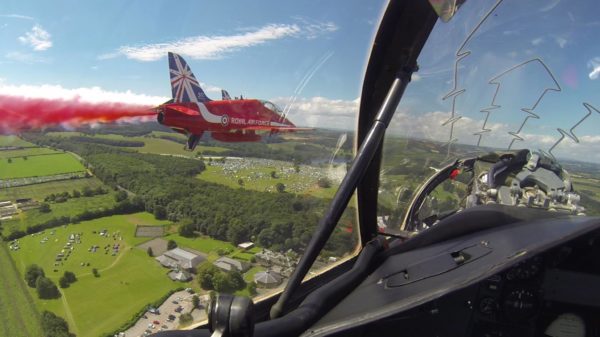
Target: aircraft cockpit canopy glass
{"type": "Point", "coordinates": [154, 152]}
{"type": "Point", "coordinates": [271, 106]}
{"type": "Point", "coordinates": [501, 76]}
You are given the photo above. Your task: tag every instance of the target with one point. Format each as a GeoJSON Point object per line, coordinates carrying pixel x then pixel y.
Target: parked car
{"type": "Point", "coordinates": [156, 323]}
{"type": "Point", "coordinates": [175, 302]}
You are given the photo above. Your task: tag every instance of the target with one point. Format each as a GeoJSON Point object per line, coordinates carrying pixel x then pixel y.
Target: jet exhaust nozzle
{"type": "Point", "coordinates": [160, 118]}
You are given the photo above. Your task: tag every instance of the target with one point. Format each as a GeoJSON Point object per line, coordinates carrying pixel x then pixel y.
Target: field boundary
{"type": "Point", "coordinates": [35, 155]}
{"type": "Point", "coordinates": [25, 181]}
{"type": "Point", "coordinates": [21, 287]}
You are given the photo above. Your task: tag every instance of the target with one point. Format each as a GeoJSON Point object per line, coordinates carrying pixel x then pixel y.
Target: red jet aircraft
{"type": "Point", "coordinates": [192, 113]}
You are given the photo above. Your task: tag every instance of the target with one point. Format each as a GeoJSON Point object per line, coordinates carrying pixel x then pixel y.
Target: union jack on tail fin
{"type": "Point", "coordinates": [184, 85]}
{"type": "Point", "coordinates": [225, 95]}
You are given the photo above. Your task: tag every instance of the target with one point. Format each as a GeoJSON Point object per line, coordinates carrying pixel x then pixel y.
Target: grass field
{"type": "Point", "coordinates": [14, 141]}
{"type": "Point", "coordinates": [37, 166]}
{"type": "Point", "coordinates": [97, 305]}
{"type": "Point", "coordinates": [17, 308]}
{"type": "Point", "coordinates": [32, 151]}
{"type": "Point", "coordinates": [40, 191]}
{"type": "Point", "coordinates": [258, 178]}
{"type": "Point", "coordinates": [70, 207]}
{"type": "Point", "coordinates": [152, 145]}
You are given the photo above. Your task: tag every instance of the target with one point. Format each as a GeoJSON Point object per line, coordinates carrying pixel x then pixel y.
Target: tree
{"type": "Point", "coordinates": [273, 174]}
{"type": "Point", "coordinates": [187, 230]}
{"type": "Point", "coordinates": [241, 182]}
{"type": "Point", "coordinates": [63, 282]}
{"type": "Point", "coordinates": [150, 252]}
{"type": "Point", "coordinates": [70, 276]}
{"type": "Point", "coordinates": [185, 319]}
{"type": "Point", "coordinates": [46, 289]}
{"type": "Point", "coordinates": [196, 301]}
{"type": "Point", "coordinates": [280, 187]}
{"type": "Point", "coordinates": [236, 280]}
{"type": "Point", "coordinates": [222, 283]}
{"type": "Point", "coordinates": [160, 213]}
{"type": "Point", "coordinates": [76, 194]}
{"type": "Point", "coordinates": [9, 160]}
{"type": "Point", "coordinates": [324, 182]}
{"type": "Point", "coordinates": [252, 288]}
{"type": "Point", "coordinates": [87, 191]}
{"type": "Point", "coordinates": [45, 208]}
{"type": "Point", "coordinates": [54, 326]}
{"type": "Point", "coordinates": [32, 273]}
{"type": "Point", "coordinates": [24, 157]}
{"type": "Point", "coordinates": [171, 244]}
{"type": "Point", "coordinates": [206, 272]}
{"type": "Point", "coordinates": [95, 272]}
{"type": "Point", "coordinates": [120, 196]}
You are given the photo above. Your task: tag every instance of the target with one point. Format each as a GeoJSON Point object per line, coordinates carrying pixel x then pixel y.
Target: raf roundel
{"type": "Point", "coordinates": [225, 120]}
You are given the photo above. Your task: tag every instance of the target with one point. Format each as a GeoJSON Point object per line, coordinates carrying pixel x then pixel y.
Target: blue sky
{"type": "Point", "coordinates": [311, 56]}
{"type": "Point", "coordinates": [527, 37]}
{"type": "Point", "coordinates": [261, 49]}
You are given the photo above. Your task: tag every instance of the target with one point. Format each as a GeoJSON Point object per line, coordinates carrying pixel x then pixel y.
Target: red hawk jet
{"type": "Point", "coordinates": [192, 113]}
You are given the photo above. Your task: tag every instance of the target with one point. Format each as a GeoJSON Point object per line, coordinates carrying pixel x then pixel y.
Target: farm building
{"type": "Point", "coordinates": [180, 275]}
{"type": "Point", "coordinates": [180, 259]}
{"type": "Point", "coordinates": [267, 279]}
{"type": "Point", "coordinates": [246, 245]}
{"type": "Point", "coordinates": [229, 264]}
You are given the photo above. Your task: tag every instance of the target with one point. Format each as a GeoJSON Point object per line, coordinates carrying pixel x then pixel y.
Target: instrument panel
{"type": "Point", "coordinates": [546, 295]}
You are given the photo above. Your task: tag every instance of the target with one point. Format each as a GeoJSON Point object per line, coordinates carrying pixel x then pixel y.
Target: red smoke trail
{"type": "Point", "coordinates": [22, 113]}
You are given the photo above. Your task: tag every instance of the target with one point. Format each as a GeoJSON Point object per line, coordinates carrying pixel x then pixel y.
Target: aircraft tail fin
{"type": "Point", "coordinates": [184, 85]}
{"type": "Point", "coordinates": [225, 95]}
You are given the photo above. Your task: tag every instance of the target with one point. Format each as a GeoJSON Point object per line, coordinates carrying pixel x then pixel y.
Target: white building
{"type": "Point", "coordinates": [229, 264]}
{"type": "Point", "coordinates": [180, 259]}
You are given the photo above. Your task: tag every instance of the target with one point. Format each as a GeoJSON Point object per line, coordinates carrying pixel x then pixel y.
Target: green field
{"type": "Point", "coordinates": [14, 141]}
{"type": "Point", "coordinates": [72, 206]}
{"type": "Point", "coordinates": [32, 151]}
{"type": "Point", "coordinates": [152, 144]}
{"type": "Point", "coordinates": [40, 191]}
{"type": "Point", "coordinates": [128, 281]}
{"type": "Point", "coordinates": [17, 308]}
{"type": "Point", "coordinates": [258, 178]}
{"type": "Point", "coordinates": [38, 166]}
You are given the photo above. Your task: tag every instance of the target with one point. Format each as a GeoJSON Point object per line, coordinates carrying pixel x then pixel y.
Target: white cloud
{"type": "Point", "coordinates": [537, 41]}
{"type": "Point", "coordinates": [210, 88]}
{"type": "Point", "coordinates": [321, 111]}
{"type": "Point", "coordinates": [215, 47]}
{"type": "Point", "coordinates": [312, 29]}
{"type": "Point", "coordinates": [91, 94]}
{"type": "Point", "coordinates": [549, 6]}
{"type": "Point", "coordinates": [595, 65]}
{"type": "Point", "coordinates": [37, 38]}
{"type": "Point", "coordinates": [16, 16]}
{"type": "Point", "coordinates": [560, 41]}
{"type": "Point", "coordinates": [25, 57]}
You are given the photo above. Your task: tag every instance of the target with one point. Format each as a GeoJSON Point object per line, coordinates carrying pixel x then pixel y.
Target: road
{"type": "Point", "coordinates": [183, 298]}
